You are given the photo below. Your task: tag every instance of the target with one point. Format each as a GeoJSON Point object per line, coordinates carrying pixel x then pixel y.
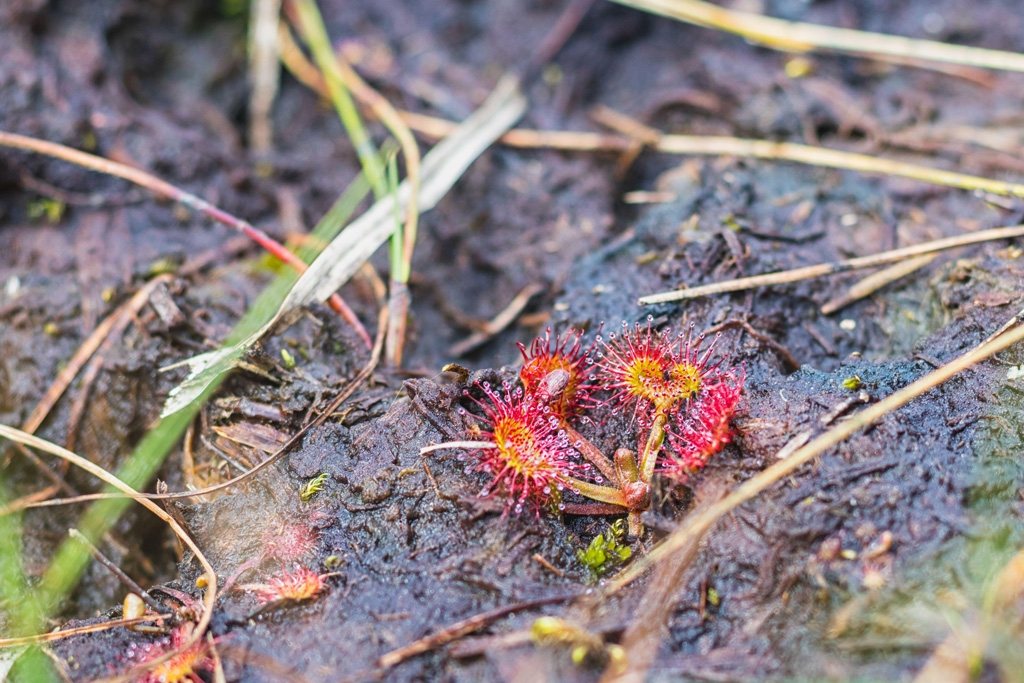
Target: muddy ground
{"type": "Point", "coordinates": [806, 582]}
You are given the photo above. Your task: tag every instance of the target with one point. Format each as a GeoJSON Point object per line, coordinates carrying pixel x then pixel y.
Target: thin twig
{"type": "Point", "coordinates": [498, 323]}
{"type": "Point", "coordinates": [115, 570]}
{"type": "Point", "coordinates": [92, 628]}
{"type": "Point", "coordinates": [829, 158]}
{"type": "Point", "coordinates": [872, 283]}
{"type": "Point", "coordinates": [165, 189]}
{"type": "Point", "coordinates": [436, 128]}
{"type": "Point", "coordinates": [697, 525]}
{"type": "Point", "coordinates": [791, 35]}
{"type": "Point", "coordinates": [789, 363]}
{"type": "Point", "coordinates": [567, 23]}
{"type": "Point", "coordinates": [787, 276]}
{"type": "Point", "coordinates": [461, 628]}
{"type": "Point", "coordinates": [543, 561]}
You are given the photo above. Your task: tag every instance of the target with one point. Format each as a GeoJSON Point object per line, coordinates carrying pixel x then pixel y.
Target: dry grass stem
{"type": "Point", "coordinates": [797, 36]}
{"type": "Point", "coordinates": [872, 283]}
{"type": "Point", "coordinates": [264, 72]}
{"type": "Point", "coordinates": [787, 276]}
{"type": "Point", "coordinates": [211, 576]}
{"type": "Point", "coordinates": [91, 628]}
{"type": "Point", "coordinates": [633, 131]}
{"type": "Point", "coordinates": [461, 628]}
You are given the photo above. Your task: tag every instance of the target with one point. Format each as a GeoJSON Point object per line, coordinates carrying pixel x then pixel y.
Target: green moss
{"type": "Point", "coordinates": [606, 551]}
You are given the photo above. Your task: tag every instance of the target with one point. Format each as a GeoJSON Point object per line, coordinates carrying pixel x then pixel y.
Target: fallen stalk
{"type": "Point", "coordinates": [462, 628]}
{"type": "Point", "coordinates": [872, 283]}
{"type": "Point", "coordinates": [91, 628]}
{"type": "Point", "coordinates": [435, 127]}
{"type": "Point", "coordinates": [797, 36]}
{"type": "Point", "coordinates": [787, 276]}
{"type": "Point", "coordinates": [165, 189]}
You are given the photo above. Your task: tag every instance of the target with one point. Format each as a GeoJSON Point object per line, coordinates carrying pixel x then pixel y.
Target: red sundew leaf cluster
{"type": "Point", "coordinates": [656, 374]}
{"type": "Point", "coordinates": [557, 372]}
{"type": "Point", "coordinates": [298, 585]}
{"type": "Point", "coordinates": [185, 666]}
{"type": "Point", "coordinates": [664, 377]}
{"type": "Point", "coordinates": [290, 542]}
{"type": "Point", "coordinates": [704, 430]}
{"type": "Point", "coordinates": [533, 455]}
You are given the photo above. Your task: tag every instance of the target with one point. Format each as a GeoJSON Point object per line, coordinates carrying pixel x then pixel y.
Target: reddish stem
{"type": "Point", "coordinates": [593, 509]}
{"type": "Point", "coordinates": [165, 189]}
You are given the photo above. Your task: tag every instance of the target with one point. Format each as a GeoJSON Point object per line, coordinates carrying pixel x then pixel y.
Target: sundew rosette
{"type": "Point", "coordinates": [529, 456]}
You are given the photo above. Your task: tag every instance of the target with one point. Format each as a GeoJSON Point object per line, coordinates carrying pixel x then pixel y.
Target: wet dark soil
{"type": "Point", "coordinates": [843, 571]}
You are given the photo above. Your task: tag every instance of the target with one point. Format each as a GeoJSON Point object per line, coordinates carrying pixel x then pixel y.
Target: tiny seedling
{"type": "Point", "coordinates": [313, 487]}
{"type": "Point", "coordinates": [606, 550]}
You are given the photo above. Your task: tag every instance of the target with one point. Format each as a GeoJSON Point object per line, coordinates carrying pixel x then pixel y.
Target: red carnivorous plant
{"type": "Point", "coordinates": [532, 452]}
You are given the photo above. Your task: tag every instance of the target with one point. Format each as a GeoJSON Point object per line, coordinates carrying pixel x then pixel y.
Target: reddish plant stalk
{"type": "Point", "coordinates": [165, 189]}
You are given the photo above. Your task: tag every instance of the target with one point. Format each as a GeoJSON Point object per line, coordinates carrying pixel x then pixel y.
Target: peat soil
{"type": "Point", "coordinates": [854, 567]}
